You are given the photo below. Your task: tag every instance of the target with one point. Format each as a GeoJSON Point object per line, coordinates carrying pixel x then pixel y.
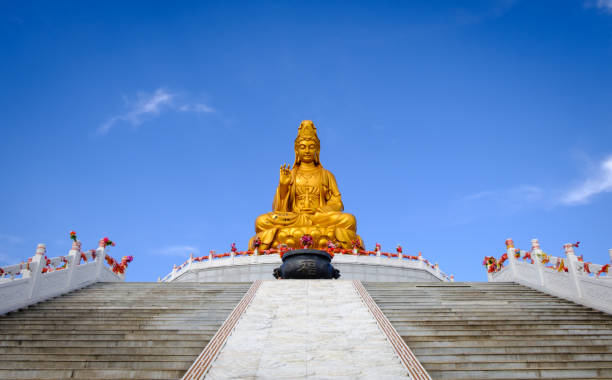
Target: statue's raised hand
{"type": "Point", "coordinates": [285, 174]}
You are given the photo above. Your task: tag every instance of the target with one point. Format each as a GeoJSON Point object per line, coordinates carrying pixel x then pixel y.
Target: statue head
{"type": "Point", "coordinates": [307, 145]}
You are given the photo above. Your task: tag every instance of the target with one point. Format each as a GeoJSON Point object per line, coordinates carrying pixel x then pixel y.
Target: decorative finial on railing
{"type": "Point", "coordinates": [535, 244]}
{"type": "Point", "coordinates": [41, 249]}
{"type": "Point", "coordinates": [101, 243]}
{"type": "Point", "coordinates": [569, 248]}
{"type": "Point", "coordinates": [509, 243]}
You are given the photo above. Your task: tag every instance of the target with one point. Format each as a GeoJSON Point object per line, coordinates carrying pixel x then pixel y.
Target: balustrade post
{"type": "Point", "coordinates": [422, 262]}
{"type": "Point", "coordinates": [74, 258]}
{"type": "Point", "coordinates": [36, 266]}
{"type": "Point", "coordinates": [452, 278]}
{"type": "Point", "coordinates": [174, 270]}
{"type": "Point", "coordinates": [100, 258]}
{"type": "Point", "coordinates": [572, 267]}
{"type": "Point", "coordinates": [536, 253]}
{"type": "Point", "coordinates": [511, 259]}
{"type": "Point", "coordinates": [437, 269]}
{"type": "Point", "coordinates": [610, 253]}
{"type": "Point", "coordinates": [190, 261]}
{"type": "Point", "coordinates": [210, 257]}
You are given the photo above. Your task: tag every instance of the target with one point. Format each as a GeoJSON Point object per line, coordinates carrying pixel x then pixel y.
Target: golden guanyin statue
{"type": "Point", "coordinates": [307, 201]}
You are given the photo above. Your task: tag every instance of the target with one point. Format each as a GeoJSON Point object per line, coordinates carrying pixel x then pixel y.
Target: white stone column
{"type": "Point", "coordinates": [74, 257]}
{"type": "Point", "coordinates": [36, 266]}
{"type": "Point", "coordinates": [511, 259]}
{"type": "Point", "coordinates": [174, 270]}
{"type": "Point", "coordinates": [537, 260]}
{"type": "Point", "coordinates": [100, 258]}
{"type": "Point", "coordinates": [572, 267]}
{"type": "Point", "coordinates": [422, 262]}
{"type": "Point", "coordinates": [610, 253]}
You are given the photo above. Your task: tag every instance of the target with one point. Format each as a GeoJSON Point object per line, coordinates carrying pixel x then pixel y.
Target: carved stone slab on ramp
{"type": "Point", "coordinates": [307, 329]}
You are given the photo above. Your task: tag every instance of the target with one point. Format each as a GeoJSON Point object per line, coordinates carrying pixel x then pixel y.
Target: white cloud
{"type": "Point", "coordinates": [605, 5]}
{"type": "Point", "coordinates": [197, 107]}
{"type": "Point", "coordinates": [178, 250]}
{"type": "Point", "coordinates": [599, 182]}
{"type": "Point", "coordinates": [502, 202]}
{"type": "Point", "coordinates": [148, 106]}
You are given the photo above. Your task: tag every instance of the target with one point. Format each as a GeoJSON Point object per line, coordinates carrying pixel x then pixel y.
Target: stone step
{"type": "Point", "coordinates": [103, 336]}
{"type": "Point", "coordinates": [164, 365]}
{"type": "Point", "coordinates": [498, 338]}
{"type": "Point", "coordinates": [600, 344]}
{"type": "Point", "coordinates": [115, 331]}
{"type": "Point", "coordinates": [13, 358]}
{"type": "Point", "coordinates": [102, 350]}
{"type": "Point", "coordinates": [159, 343]}
{"type": "Point", "coordinates": [26, 374]}
{"type": "Point", "coordinates": [535, 356]}
{"type": "Point", "coordinates": [520, 365]}
{"type": "Point", "coordinates": [497, 331]}
{"type": "Point", "coordinates": [575, 374]}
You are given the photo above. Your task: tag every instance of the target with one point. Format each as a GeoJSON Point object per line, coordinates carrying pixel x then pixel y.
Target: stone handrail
{"type": "Point", "coordinates": [272, 256]}
{"type": "Point", "coordinates": [41, 278]}
{"type": "Point", "coordinates": [568, 277]}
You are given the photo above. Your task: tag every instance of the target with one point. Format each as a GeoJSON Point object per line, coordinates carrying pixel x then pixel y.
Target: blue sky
{"type": "Point", "coordinates": [449, 127]}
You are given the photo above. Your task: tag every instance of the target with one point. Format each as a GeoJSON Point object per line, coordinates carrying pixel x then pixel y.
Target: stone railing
{"type": "Point", "coordinates": [341, 256]}
{"type": "Point", "coordinates": [41, 278]}
{"type": "Point", "coordinates": [568, 277]}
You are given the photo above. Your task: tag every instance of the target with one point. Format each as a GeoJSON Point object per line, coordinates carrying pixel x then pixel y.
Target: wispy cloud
{"type": "Point", "coordinates": [196, 107]}
{"type": "Point", "coordinates": [599, 182]}
{"type": "Point", "coordinates": [178, 250]}
{"type": "Point", "coordinates": [603, 5]}
{"type": "Point", "coordinates": [495, 202]}
{"type": "Point", "coordinates": [150, 105]}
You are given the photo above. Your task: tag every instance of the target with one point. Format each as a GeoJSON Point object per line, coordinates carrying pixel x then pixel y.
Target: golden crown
{"type": "Point", "coordinates": [307, 130]}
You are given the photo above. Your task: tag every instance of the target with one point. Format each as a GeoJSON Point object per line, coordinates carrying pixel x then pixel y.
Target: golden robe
{"type": "Point", "coordinates": [312, 205]}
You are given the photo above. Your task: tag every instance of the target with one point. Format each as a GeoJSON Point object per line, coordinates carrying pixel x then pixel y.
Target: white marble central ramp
{"type": "Point", "coordinates": [307, 329]}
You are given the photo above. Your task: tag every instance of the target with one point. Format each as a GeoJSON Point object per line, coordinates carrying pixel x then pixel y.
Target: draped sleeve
{"type": "Point", "coordinates": [331, 194]}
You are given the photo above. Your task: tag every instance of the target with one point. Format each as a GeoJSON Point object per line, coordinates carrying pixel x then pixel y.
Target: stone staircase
{"type": "Point", "coordinates": [497, 331]}
{"type": "Point", "coordinates": [116, 330]}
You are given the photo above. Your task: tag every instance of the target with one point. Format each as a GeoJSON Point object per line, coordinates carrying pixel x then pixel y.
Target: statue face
{"type": "Point", "coordinates": [306, 150]}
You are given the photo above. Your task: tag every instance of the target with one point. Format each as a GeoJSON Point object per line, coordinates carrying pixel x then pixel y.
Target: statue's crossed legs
{"type": "Point", "coordinates": [288, 227]}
